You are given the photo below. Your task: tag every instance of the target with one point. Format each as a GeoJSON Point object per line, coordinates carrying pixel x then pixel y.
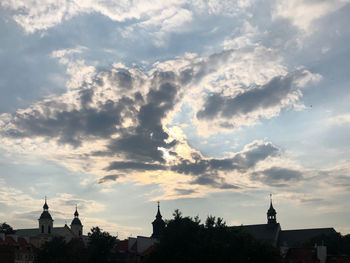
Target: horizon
{"type": "Point", "coordinates": [206, 106]}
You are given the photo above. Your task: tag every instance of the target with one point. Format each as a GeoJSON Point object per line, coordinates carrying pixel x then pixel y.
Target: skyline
{"type": "Point", "coordinates": [205, 106]}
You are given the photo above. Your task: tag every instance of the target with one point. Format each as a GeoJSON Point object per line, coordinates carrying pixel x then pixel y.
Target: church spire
{"type": "Point", "coordinates": [271, 214]}
{"type": "Point", "coordinates": [158, 213]}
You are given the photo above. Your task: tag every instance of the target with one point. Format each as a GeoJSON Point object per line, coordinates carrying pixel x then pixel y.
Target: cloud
{"type": "Point", "coordinates": [342, 119]}
{"type": "Point", "coordinates": [134, 166]}
{"type": "Point", "coordinates": [247, 159]}
{"type": "Point", "coordinates": [34, 15]}
{"type": "Point", "coordinates": [250, 104]}
{"type": "Point", "coordinates": [109, 178]}
{"type": "Point", "coordinates": [206, 171]}
{"type": "Point", "coordinates": [181, 191]}
{"type": "Point", "coordinates": [120, 119]}
{"type": "Point", "coordinates": [303, 13]}
{"type": "Point", "coordinates": [70, 126]}
{"type": "Point", "coordinates": [278, 176]}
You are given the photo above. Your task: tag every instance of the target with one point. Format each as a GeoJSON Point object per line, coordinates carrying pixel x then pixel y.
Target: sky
{"type": "Point", "coordinates": [207, 106]}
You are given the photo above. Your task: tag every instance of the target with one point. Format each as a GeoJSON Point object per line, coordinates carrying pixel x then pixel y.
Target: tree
{"type": "Point", "coordinates": [6, 229]}
{"type": "Point", "coordinates": [100, 245]}
{"type": "Point", "coordinates": [186, 240]}
{"type": "Point", "coordinates": [54, 251]}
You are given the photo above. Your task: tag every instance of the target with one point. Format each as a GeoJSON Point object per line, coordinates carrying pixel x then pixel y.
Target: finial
{"type": "Point", "coordinates": [158, 204]}
{"type": "Point", "coordinates": [45, 198]}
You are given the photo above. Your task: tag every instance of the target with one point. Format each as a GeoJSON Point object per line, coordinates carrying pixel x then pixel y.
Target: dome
{"type": "Point", "coordinates": [45, 215]}
{"type": "Point", "coordinates": [76, 221]}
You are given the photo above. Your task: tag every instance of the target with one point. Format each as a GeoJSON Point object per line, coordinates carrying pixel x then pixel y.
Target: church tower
{"type": "Point", "coordinates": [45, 221]}
{"type": "Point", "coordinates": [76, 226]}
{"type": "Point", "coordinates": [271, 214]}
{"type": "Point", "coordinates": [158, 225]}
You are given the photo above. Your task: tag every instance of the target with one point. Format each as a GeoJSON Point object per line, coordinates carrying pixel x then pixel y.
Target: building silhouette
{"type": "Point", "coordinates": [284, 239]}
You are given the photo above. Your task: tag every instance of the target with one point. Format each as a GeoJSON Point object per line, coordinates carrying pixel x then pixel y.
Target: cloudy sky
{"type": "Point", "coordinates": [208, 106]}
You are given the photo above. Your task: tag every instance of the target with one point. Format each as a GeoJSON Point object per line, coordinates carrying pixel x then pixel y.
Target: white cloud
{"type": "Point", "coordinates": [342, 119]}
{"type": "Point", "coordinates": [302, 13]}
{"type": "Point", "coordinates": [34, 15]}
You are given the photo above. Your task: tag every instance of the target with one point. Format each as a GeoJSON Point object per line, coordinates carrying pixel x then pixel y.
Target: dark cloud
{"type": "Point", "coordinates": [213, 180]}
{"type": "Point", "coordinates": [122, 79]}
{"type": "Point", "coordinates": [109, 178]}
{"type": "Point", "coordinates": [256, 152]}
{"type": "Point", "coordinates": [71, 126]}
{"type": "Point", "coordinates": [266, 96]}
{"type": "Point", "coordinates": [142, 142]}
{"type": "Point", "coordinates": [134, 166]}
{"type": "Point", "coordinates": [205, 171]}
{"type": "Point", "coordinates": [311, 200]}
{"type": "Point", "coordinates": [277, 176]}
{"type": "Point", "coordinates": [86, 97]}
{"type": "Point", "coordinates": [185, 191]}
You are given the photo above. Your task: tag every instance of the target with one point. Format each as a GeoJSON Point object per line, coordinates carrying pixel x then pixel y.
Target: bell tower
{"type": "Point", "coordinates": [76, 226]}
{"type": "Point", "coordinates": [45, 220]}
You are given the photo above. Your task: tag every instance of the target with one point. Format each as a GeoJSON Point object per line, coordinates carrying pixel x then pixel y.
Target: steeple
{"type": "Point", "coordinates": [158, 224]}
{"type": "Point", "coordinates": [271, 214]}
{"type": "Point", "coordinates": [76, 225]}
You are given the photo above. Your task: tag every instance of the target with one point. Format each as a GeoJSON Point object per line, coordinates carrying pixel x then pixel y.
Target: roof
{"type": "Point", "coordinates": [57, 230]}
{"type": "Point", "coordinates": [308, 255]}
{"type": "Point", "coordinates": [76, 221]}
{"type": "Point", "coordinates": [122, 246]}
{"type": "Point", "coordinates": [31, 232]}
{"type": "Point", "coordinates": [263, 231]}
{"type": "Point", "coordinates": [295, 238]}
{"type": "Point", "coordinates": [45, 215]}
{"type": "Point", "coordinates": [148, 251]}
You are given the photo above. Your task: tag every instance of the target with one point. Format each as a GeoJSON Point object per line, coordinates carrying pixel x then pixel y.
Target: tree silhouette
{"type": "Point", "coordinates": [6, 229]}
{"type": "Point", "coordinates": [100, 245]}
